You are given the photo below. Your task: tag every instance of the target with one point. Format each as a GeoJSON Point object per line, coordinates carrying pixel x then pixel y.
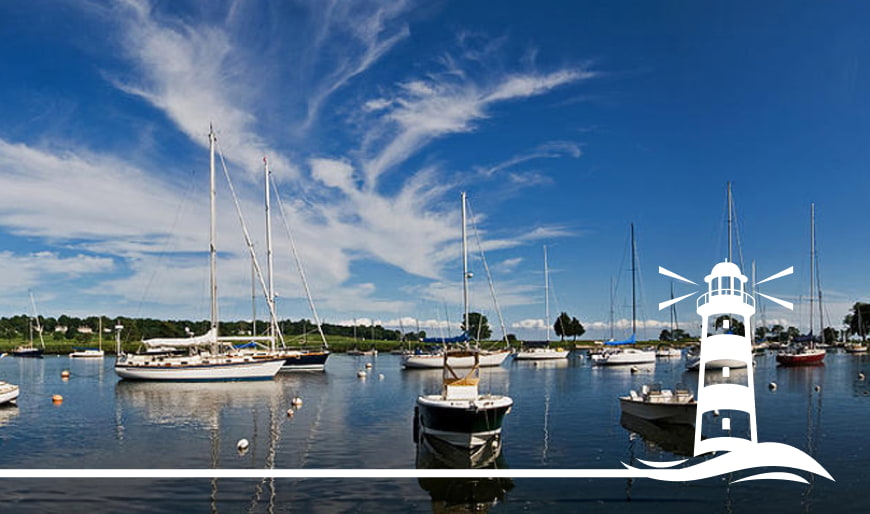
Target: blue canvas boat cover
{"type": "Point", "coordinates": [630, 340]}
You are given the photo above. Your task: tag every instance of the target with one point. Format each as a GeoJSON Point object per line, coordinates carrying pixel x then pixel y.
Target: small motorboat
{"type": "Point", "coordinates": [661, 405]}
{"type": "Point", "coordinates": [8, 393]}
{"type": "Point", "coordinates": [460, 416]}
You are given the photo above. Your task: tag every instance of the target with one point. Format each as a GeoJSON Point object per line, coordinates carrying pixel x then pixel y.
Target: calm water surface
{"type": "Point", "coordinates": [565, 416]}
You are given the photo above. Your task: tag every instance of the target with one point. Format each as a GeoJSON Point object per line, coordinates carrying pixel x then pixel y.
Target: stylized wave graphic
{"type": "Point", "coordinates": [761, 455]}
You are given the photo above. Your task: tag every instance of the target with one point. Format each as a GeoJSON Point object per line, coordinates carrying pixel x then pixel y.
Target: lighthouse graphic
{"type": "Point", "coordinates": [726, 436]}
{"type": "Point", "coordinates": [727, 300]}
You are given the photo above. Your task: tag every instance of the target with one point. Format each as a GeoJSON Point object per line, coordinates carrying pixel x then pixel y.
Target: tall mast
{"type": "Point", "coordinates": [730, 218]}
{"type": "Point", "coordinates": [547, 296]}
{"type": "Point", "coordinates": [269, 268]}
{"type": "Point", "coordinates": [464, 268]}
{"type": "Point", "coordinates": [253, 298]}
{"type": "Point", "coordinates": [611, 308]}
{"type": "Point", "coordinates": [211, 245]}
{"type": "Point", "coordinates": [812, 259]}
{"type": "Point", "coordinates": [633, 269]}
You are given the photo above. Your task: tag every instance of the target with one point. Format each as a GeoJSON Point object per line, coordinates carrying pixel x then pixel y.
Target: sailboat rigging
{"type": "Point", "coordinates": [627, 355]}
{"type": "Point", "coordinates": [803, 350]}
{"type": "Point", "coordinates": [540, 350]}
{"type": "Point", "coordinates": [434, 359]}
{"type": "Point", "coordinates": [208, 357]}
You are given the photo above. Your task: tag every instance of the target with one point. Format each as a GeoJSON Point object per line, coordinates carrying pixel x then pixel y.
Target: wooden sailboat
{"type": "Point", "coordinates": [803, 351]}
{"type": "Point", "coordinates": [208, 358]}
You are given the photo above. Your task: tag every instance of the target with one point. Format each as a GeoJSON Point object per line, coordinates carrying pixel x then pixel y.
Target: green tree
{"type": "Point", "coordinates": [736, 325]}
{"type": "Point", "coordinates": [665, 335]}
{"type": "Point", "coordinates": [831, 334]}
{"type": "Point", "coordinates": [562, 326]}
{"type": "Point", "coordinates": [477, 326]}
{"type": "Point", "coordinates": [858, 319]}
{"type": "Point", "coordinates": [576, 328]}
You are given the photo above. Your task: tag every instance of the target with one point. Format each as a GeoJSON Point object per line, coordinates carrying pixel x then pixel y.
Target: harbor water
{"type": "Point", "coordinates": [566, 415]}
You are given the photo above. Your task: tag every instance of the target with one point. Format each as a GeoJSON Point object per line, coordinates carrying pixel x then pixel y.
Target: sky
{"type": "Point", "coordinates": [565, 122]}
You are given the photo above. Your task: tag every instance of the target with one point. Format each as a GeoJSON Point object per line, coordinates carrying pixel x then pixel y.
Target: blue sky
{"type": "Point", "coordinates": [564, 122]}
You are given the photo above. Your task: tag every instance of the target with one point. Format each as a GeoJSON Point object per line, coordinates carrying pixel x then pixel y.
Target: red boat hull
{"type": "Point", "coordinates": [801, 359]}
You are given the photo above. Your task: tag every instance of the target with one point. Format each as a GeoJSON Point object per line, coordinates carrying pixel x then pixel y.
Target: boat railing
{"type": "Point", "coordinates": [708, 296]}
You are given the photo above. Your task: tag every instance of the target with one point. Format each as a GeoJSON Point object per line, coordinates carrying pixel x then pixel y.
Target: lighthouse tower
{"type": "Point", "coordinates": [731, 396]}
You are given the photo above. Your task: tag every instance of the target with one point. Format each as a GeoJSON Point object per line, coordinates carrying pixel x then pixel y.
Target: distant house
{"type": "Point", "coordinates": [60, 328]}
{"type": "Point", "coordinates": [85, 330]}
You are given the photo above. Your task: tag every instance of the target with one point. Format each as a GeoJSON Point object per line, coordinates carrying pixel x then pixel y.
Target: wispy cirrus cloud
{"type": "Point", "coordinates": [423, 109]}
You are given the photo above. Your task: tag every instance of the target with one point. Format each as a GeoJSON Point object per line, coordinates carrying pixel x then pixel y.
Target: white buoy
{"type": "Point", "coordinates": [772, 386]}
{"type": "Point", "coordinates": [289, 413]}
{"type": "Point", "coordinates": [361, 373]}
{"type": "Point", "coordinates": [368, 365]}
{"type": "Point", "coordinates": [381, 376]}
{"type": "Point", "coordinates": [296, 401]}
{"type": "Point", "coordinates": [64, 374]}
{"type": "Point", "coordinates": [635, 369]}
{"type": "Point", "coordinates": [242, 445]}
{"type": "Point", "coordinates": [860, 375]}
{"type": "Point", "coordinates": [817, 388]}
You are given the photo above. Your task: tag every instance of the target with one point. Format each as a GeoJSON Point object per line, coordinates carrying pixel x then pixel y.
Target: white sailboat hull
{"type": "Point", "coordinates": [541, 354]}
{"type": "Point", "coordinates": [253, 370]}
{"type": "Point", "coordinates": [430, 361]}
{"type": "Point", "coordinates": [87, 354]}
{"type": "Point", "coordinates": [625, 357]}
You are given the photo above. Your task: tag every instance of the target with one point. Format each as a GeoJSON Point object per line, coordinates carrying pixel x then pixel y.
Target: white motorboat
{"type": "Point", "coordinates": [661, 405]}
{"type": "Point", "coordinates": [8, 393]}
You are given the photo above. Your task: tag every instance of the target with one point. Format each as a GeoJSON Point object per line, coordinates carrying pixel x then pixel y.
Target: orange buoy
{"type": "Point", "coordinates": [57, 399]}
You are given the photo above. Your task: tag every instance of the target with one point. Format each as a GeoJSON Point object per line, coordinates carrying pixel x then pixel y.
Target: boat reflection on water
{"type": "Point", "coordinates": [192, 403]}
{"type": "Point", "coordinates": [462, 494]}
{"type": "Point", "coordinates": [678, 439]}
{"type": "Point", "coordinates": [7, 413]}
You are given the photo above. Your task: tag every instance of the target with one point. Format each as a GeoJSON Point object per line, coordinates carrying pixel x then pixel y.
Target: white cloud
{"type": "Point", "coordinates": [195, 75]}
{"type": "Point", "coordinates": [530, 324]}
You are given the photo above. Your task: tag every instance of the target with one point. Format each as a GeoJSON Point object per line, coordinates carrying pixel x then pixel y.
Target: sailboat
{"type": "Point", "coordinates": [91, 353]}
{"type": "Point", "coordinates": [799, 353]}
{"type": "Point", "coordinates": [29, 350]}
{"type": "Point", "coordinates": [435, 359]}
{"type": "Point", "coordinates": [541, 350]}
{"type": "Point", "coordinates": [693, 354]}
{"type": "Point", "coordinates": [295, 359]}
{"type": "Point", "coordinates": [627, 355]}
{"type": "Point", "coordinates": [208, 357]}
